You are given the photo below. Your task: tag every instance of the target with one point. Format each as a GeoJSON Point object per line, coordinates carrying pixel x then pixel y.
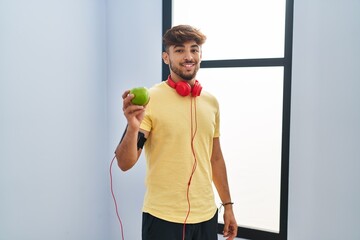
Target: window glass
{"type": "Point", "coordinates": [236, 29]}
{"type": "Point", "coordinates": [251, 103]}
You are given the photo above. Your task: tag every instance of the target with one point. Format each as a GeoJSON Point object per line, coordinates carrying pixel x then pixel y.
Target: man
{"type": "Point", "coordinates": [180, 128]}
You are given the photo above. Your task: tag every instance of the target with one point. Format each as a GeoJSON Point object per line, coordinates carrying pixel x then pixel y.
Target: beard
{"type": "Point", "coordinates": [184, 74]}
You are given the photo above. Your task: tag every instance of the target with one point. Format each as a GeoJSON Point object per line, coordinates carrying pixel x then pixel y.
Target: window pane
{"type": "Point", "coordinates": [236, 29]}
{"type": "Point", "coordinates": [251, 102]}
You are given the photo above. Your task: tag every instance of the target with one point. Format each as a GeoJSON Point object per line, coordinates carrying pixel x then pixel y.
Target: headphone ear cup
{"type": "Point", "coordinates": [196, 90]}
{"type": "Point", "coordinates": [183, 88]}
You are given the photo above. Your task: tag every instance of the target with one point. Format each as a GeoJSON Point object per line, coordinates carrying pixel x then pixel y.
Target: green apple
{"type": "Point", "coordinates": [141, 96]}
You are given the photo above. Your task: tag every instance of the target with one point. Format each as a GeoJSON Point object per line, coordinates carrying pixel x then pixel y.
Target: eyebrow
{"type": "Point", "coordinates": [178, 46]}
{"type": "Point", "coordinates": [181, 46]}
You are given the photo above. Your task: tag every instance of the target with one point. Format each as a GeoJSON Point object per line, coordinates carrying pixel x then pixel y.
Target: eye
{"type": "Point", "coordinates": [195, 50]}
{"type": "Point", "coordinates": [178, 50]}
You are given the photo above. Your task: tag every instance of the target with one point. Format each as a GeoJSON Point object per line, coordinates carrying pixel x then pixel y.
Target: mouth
{"type": "Point", "coordinates": [188, 66]}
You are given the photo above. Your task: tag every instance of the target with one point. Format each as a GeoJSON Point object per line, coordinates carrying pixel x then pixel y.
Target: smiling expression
{"type": "Point", "coordinates": [183, 60]}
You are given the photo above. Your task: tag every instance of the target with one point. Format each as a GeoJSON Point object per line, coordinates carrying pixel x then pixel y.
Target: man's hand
{"type": "Point", "coordinates": [230, 225]}
{"type": "Point", "coordinates": [133, 113]}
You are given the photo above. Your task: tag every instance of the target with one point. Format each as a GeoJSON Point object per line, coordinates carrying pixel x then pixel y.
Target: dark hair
{"type": "Point", "coordinates": [181, 34]}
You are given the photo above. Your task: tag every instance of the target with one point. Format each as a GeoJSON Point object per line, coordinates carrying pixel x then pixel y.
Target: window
{"type": "Point", "coordinates": [247, 66]}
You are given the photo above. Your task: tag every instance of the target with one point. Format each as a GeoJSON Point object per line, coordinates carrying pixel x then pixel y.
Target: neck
{"type": "Point", "coordinates": [176, 79]}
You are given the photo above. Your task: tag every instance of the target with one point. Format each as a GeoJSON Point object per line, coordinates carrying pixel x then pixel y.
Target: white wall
{"type": "Point", "coordinates": [53, 139]}
{"type": "Point", "coordinates": [325, 121]}
{"type": "Point", "coordinates": [134, 59]}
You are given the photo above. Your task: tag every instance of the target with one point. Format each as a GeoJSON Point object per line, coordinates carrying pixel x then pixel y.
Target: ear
{"type": "Point", "coordinates": [165, 57]}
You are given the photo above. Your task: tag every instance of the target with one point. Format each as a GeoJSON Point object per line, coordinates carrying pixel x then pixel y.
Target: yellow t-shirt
{"type": "Point", "coordinates": [173, 121]}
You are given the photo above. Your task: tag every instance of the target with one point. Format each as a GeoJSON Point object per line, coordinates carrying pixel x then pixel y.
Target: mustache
{"type": "Point", "coordinates": [188, 61]}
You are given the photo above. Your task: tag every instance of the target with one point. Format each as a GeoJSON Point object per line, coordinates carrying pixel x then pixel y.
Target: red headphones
{"type": "Point", "coordinates": [184, 89]}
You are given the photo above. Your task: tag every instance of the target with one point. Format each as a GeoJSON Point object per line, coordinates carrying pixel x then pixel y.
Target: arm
{"type": "Point", "coordinates": [222, 186]}
{"type": "Point", "coordinates": [127, 152]}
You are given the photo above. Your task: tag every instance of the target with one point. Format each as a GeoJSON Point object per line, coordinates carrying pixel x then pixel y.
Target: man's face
{"type": "Point", "coordinates": [184, 59]}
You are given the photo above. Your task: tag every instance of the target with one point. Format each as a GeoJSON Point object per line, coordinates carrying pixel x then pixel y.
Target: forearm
{"type": "Point", "coordinates": [221, 181]}
{"type": "Point", "coordinates": [127, 152]}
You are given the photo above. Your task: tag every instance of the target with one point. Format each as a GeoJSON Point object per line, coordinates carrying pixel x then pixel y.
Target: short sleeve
{"type": "Point", "coordinates": [217, 124]}
{"type": "Point", "coordinates": [146, 123]}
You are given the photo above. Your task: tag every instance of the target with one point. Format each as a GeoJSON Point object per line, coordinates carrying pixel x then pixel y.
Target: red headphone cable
{"type": "Point", "coordinates": [115, 203]}
{"type": "Point", "coordinates": [193, 134]}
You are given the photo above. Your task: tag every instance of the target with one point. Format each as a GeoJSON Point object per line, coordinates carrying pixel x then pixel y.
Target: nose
{"type": "Point", "coordinates": [188, 56]}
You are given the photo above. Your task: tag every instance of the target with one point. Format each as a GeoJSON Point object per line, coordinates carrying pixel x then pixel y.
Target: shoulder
{"type": "Point", "coordinates": [160, 94]}
{"type": "Point", "coordinates": [158, 88]}
{"type": "Point", "coordinates": [209, 97]}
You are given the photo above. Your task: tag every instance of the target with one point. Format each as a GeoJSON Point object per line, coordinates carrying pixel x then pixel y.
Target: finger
{"type": "Point", "coordinates": [133, 110]}
{"type": "Point", "coordinates": [127, 101]}
{"type": "Point", "coordinates": [125, 94]}
{"type": "Point", "coordinates": [226, 230]}
{"type": "Point", "coordinates": [232, 232]}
